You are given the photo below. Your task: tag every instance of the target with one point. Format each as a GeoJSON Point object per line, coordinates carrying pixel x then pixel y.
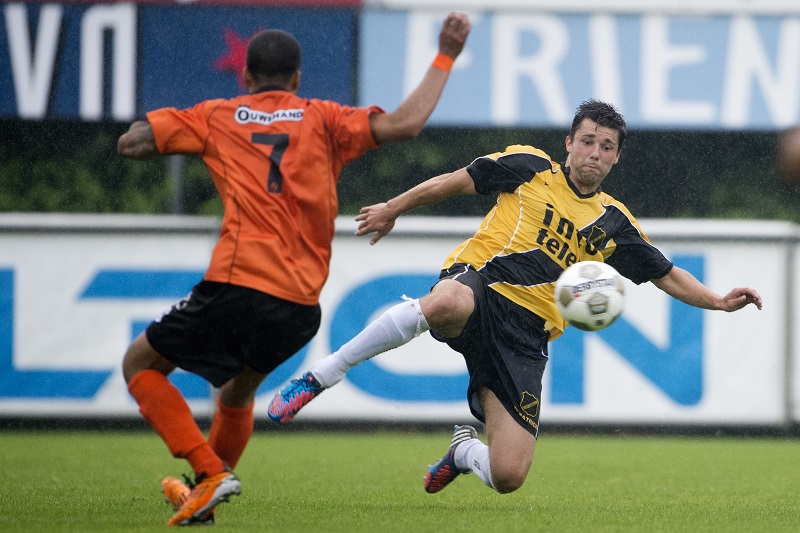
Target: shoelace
{"type": "Point", "coordinates": [188, 481]}
{"type": "Point", "coordinates": [300, 384]}
{"type": "Point", "coordinates": [192, 484]}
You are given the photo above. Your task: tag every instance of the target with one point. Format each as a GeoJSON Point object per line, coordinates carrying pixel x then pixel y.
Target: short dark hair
{"type": "Point", "coordinates": [603, 114]}
{"type": "Point", "coordinates": [273, 53]}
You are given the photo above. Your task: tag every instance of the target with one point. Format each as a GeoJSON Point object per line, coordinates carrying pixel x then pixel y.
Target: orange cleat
{"type": "Point", "coordinates": [176, 493]}
{"type": "Point", "coordinates": [197, 507]}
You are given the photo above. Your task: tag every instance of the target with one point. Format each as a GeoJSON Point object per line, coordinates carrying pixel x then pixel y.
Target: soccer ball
{"type": "Point", "coordinates": [590, 295]}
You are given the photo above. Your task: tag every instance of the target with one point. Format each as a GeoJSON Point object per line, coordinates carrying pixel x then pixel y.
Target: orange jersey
{"type": "Point", "coordinates": [275, 160]}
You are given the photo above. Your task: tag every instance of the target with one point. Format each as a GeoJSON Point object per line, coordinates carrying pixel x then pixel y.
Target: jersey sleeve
{"type": "Point", "coordinates": [181, 131]}
{"type": "Point", "coordinates": [639, 262]}
{"type": "Point", "coordinates": [634, 256]}
{"type": "Point", "coordinates": [350, 129]}
{"type": "Point", "coordinates": [505, 171]}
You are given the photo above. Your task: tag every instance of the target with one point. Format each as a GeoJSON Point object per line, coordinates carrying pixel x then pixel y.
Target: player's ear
{"type": "Point", "coordinates": [568, 143]}
{"type": "Point", "coordinates": [294, 83]}
{"type": "Point", "coordinates": [247, 78]}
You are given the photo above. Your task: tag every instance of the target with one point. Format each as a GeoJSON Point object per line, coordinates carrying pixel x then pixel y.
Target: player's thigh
{"type": "Point", "coordinates": [240, 391]}
{"type": "Point", "coordinates": [142, 356]}
{"type": "Point", "coordinates": [511, 446]}
{"type": "Point", "coordinates": [447, 307]}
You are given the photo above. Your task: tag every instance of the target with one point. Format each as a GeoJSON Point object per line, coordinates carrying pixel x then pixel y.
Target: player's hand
{"type": "Point", "coordinates": [740, 297]}
{"type": "Point", "coordinates": [374, 219]}
{"type": "Point", "coordinates": [139, 142]}
{"type": "Point", "coordinates": [454, 33]}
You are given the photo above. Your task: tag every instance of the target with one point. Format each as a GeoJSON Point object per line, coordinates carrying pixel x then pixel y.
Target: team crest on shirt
{"type": "Point", "coordinates": [245, 115]}
{"type": "Point", "coordinates": [597, 236]}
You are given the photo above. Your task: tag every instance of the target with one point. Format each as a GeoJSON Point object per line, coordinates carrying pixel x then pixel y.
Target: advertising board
{"type": "Point", "coordinates": [117, 61]}
{"type": "Point", "coordinates": [72, 300]}
{"type": "Point", "coordinates": [533, 68]}
{"type": "Point", "coordinates": [664, 68]}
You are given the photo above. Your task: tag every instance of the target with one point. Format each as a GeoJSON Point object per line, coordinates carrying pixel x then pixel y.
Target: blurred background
{"type": "Point", "coordinates": [705, 86]}
{"type": "Point", "coordinates": [93, 246]}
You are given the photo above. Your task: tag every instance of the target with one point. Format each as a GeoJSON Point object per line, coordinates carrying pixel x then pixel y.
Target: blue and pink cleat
{"type": "Point", "coordinates": [294, 397]}
{"type": "Point", "coordinates": [445, 470]}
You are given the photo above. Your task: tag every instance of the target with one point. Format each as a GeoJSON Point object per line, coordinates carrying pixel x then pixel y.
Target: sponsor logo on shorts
{"type": "Point", "coordinates": [180, 305]}
{"type": "Point", "coordinates": [529, 409]}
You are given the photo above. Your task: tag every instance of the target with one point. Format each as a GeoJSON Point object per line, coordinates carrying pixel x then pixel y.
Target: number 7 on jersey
{"type": "Point", "coordinates": [279, 142]}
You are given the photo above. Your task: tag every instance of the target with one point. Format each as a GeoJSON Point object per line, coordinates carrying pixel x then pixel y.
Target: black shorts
{"type": "Point", "coordinates": [219, 328]}
{"type": "Point", "coordinates": [505, 348]}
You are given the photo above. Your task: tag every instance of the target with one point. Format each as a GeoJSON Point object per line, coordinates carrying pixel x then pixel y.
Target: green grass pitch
{"type": "Point", "coordinates": [372, 482]}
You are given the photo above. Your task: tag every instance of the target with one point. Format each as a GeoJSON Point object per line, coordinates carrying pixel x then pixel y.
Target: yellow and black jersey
{"type": "Point", "coordinates": [541, 224]}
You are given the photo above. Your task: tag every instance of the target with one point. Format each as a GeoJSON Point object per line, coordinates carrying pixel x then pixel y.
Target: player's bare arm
{"type": "Point", "coordinates": [683, 286]}
{"type": "Point", "coordinates": [410, 117]}
{"type": "Point", "coordinates": [138, 142]}
{"type": "Point", "coordinates": [379, 218]}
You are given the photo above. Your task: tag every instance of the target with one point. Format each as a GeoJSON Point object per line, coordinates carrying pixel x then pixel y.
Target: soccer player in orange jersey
{"type": "Point", "coordinates": [275, 159]}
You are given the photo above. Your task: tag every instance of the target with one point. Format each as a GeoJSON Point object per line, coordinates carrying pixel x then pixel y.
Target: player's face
{"type": "Point", "coordinates": [592, 152]}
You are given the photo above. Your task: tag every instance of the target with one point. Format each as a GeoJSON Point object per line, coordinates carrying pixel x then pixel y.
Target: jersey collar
{"type": "Point", "coordinates": [578, 193]}
{"type": "Point", "coordinates": [266, 88]}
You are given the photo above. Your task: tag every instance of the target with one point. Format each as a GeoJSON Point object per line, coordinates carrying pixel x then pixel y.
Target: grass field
{"type": "Point", "coordinates": [353, 482]}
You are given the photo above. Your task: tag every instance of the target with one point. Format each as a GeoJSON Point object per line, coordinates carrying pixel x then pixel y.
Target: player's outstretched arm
{"type": "Point", "coordinates": [138, 142]}
{"type": "Point", "coordinates": [379, 218]}
{"type": "Point", "coordinates": [681, 285]}
{"type": "Point", "coordinates": [410, 117]}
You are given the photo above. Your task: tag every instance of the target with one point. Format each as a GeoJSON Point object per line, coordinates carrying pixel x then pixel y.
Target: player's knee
{"type": "Point", "coordinates": [508, 481]}
{"type": "Point", "coordinates": [508, 475]}
{"type": "Point", "coordinates": [132, 362]}
{"type": "Point", "coordinates": [141, 356]}
{"type": "Point", "coordinates": [448, 307]}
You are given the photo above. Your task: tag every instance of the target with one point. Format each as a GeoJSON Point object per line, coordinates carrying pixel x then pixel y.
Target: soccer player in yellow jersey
{"type": "Point", "coordinates": [275, 159]}
{"type": "Point", "coordinates": [494, 301]}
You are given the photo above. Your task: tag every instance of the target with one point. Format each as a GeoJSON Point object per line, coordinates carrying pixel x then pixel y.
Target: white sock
{"type": "Point", "coordinates": [395, 327]}
{"type": "Point", "coordinates": [474, 455]}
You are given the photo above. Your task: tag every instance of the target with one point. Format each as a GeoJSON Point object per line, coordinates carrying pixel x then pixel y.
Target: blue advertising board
{"type": "Point", "coordinates": [675, 369]}
{"type": "Point", "coordinates": [118, 61]}
{"type": "Point", "coordinates": [529, 68]}
{"type": "Point", "coordinates": [71, 303]}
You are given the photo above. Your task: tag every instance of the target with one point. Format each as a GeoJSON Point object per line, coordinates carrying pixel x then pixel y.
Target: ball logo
{"type": "Point", "coordinates": [594, 284]}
